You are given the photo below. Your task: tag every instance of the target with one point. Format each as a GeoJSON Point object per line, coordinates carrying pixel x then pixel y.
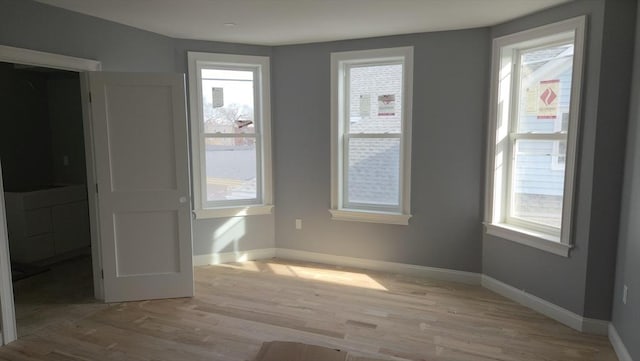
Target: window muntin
{"type": "Point", "coordinates": [371, 134]}
{"type": "Point", "coordinates": [230, 127]}
{"type": "Point", "coordinates": [534, 112]}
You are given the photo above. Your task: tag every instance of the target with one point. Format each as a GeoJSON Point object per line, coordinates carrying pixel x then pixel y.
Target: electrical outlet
{"type": "Point", "coordinates": [625, 291]}
{"type": "Point", "coordinates": [298, 223]}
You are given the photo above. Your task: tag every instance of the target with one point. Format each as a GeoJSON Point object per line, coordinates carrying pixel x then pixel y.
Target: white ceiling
{"type": "Point", "coordinates": [280, 22]}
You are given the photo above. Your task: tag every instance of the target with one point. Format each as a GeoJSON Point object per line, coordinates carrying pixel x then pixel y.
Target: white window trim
{"type": "Point", "coordinates": [338, 212]}
{"type": "Point", "coordinates": [529, 237]}
{"type": "Point", "coordinates": [196, 60]}
{"type": "Point", "coordinates": [494, 221]}
{"type": "Point", "coordinates": [370, 217]}
{"type": "Point", "coordinates": [555, 159]}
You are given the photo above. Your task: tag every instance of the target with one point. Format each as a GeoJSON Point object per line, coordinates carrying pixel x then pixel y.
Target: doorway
{"type": "Point", "coordinates": [135, 135]}
{"type": "Point", "coordinates": [59, 186]}
{"type": "Point", "coordinates": [45, 192]}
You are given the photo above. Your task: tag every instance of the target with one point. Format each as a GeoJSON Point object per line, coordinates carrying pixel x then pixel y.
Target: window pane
{"type": "Point", "coordinates": [374, 171]}
{"type": "Point", "coordinates": [538, 181]}
{"type": "Point", "coordinates": [224, 74]}
{"type": "Point", "coordinates": [561, 152]}
{"type": "Point", "coordinates": [231, 168]}
{"type": "Point", "coordinates": [375, 99]}
{"type": "Point", "coordinates": [227, 100]}
{"type": "Point", "coordinates": [545, 89]}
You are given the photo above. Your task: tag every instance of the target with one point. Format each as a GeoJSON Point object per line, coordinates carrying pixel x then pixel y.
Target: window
{"type": "Point", "coordinates": [371, 135]}
{"type": "Point", "coordinates": [230, 124]}
{"type": "Point", "coordinates": [534, 124]}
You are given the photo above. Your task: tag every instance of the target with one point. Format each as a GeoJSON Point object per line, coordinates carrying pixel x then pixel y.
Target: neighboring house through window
{"type": "Point", "coordinates": [533, 135]}
{"type": "Point", "coordinates": [230, 124]}
{"type": "Point", "coordinates": [371, 135]}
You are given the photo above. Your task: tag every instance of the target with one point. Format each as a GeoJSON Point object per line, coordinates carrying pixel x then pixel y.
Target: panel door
{"type": "Point", "coordinates": [140, 139]}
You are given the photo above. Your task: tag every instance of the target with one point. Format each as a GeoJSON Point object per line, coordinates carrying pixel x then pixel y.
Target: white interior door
{"type": "Point", "coordinates": [141, 160]}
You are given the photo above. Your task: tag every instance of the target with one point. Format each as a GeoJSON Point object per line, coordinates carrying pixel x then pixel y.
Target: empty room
{"type": "Point", "coordinates": [320, 180]}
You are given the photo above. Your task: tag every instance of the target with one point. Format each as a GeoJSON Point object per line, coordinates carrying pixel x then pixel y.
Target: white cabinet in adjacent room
{"type": "Point", "coordinates": [47, 223]}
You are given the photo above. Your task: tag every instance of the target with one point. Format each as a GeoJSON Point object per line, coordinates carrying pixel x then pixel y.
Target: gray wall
{"type": "Point", "coordinates": [450, 83]}
{"type": "Point", "coordinates": [41, 122]}
{"type": "Point", "coordinates": [65, 120]}
{"type": "Point", "coordinates": [233, 234]}
{"type": "Point", "coordinates": [626, 317]}
{"type": "Point", "coordinates": [583, 282]}
{"type": "Point", "coordinates": [613, 115]}
{"type": "Point", "coordinates": [25, 134]}
{"type": "Point", "coordinates": [31, 25]}
{"type": "Point", "coordinates": [449, 115]}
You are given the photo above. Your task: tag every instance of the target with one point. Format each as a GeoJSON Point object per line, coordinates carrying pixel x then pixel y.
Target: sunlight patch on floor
{"type": "Point", "coordinates": [344, 278]}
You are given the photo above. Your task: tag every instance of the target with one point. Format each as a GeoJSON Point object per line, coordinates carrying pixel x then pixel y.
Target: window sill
{"type": "Point", "coordinates": [233, 211]}
{"type": "Point", "coordinates": [541, 241]}
{"type": "Point", "coordinates": [370, 217]}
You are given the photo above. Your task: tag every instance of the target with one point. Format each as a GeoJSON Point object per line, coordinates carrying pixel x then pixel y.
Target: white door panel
{"type": "Point", "coordinates": [140, 136]}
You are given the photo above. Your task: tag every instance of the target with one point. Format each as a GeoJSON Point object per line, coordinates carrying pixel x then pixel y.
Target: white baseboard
{"type": "Point", "coordinates": [562, 315]}
{"type": "Point", "coordinates": [594, 326]}
{"type": "Point", "coordinates": [240, 256]}
{"type": "Point", "coordinates": [392, 267]}
{"type": "Point", "coordinates": [618, 346]}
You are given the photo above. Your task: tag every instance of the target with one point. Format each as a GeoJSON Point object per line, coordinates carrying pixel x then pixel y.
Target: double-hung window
{"type": "Point", "coordinates": [533, 135]}
{"type": "Point", "coordinates": [230, 124]}
{"type": "Point", "coordinates": [371, 135]}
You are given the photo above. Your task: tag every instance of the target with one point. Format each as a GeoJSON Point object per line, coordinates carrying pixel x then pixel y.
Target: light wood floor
{"type": "Point", "coordinates": [64, 293]}
{"type": "Point", "coordinates": [238, 306]}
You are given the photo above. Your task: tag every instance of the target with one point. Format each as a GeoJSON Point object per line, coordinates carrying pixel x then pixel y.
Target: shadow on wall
{"type": "Point", "coordinates": [227, 237]}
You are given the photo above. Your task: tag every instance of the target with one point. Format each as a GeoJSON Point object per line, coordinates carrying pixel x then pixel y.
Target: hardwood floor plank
{"type": "Point", "coordinates": [239, 306]}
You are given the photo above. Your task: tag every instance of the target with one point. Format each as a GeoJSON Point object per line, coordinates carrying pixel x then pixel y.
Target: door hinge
{"type": "Point", "coordinates": [96, 187]}
{"type": "Point", "coordinates": [90, 98]}
{"type": "Point", "coordinates": [102, 273]}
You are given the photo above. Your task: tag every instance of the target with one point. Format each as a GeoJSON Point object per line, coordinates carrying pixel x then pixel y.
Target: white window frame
{"type": "Point", "coordinates": [339, 115]}
{"type": "Point", "coordinates": [555, 159]}
{"type": "Point", "coordinates": [260, 65]}
{"type": "Point", "coordinates": [499, 152]}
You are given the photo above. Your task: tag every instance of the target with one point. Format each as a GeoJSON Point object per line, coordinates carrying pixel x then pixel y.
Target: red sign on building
{"type": "Point", "coordinates": [548, 99]}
